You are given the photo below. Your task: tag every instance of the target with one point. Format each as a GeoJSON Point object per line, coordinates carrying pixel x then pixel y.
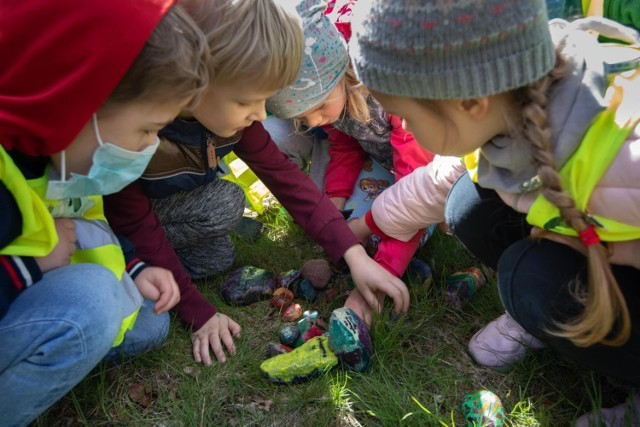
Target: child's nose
{"type": "Point", "coordinates": [313, 121]}
{"type": "Point", "coordinates": [259, 115]}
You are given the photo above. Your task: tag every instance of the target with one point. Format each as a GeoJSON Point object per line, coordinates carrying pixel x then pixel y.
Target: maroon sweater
{"type": "Point", "coordinates": [130, 213]}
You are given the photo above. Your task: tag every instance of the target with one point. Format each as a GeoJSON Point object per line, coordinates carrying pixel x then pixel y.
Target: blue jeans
{"type": "Point", "coordinates": [55, 333]}
{"type": "Point", "coordinates": [534, 277]}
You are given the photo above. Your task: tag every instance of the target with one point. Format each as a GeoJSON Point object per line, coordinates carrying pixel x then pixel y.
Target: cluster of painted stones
{"type": "Point", "coordinates": [347, 339]}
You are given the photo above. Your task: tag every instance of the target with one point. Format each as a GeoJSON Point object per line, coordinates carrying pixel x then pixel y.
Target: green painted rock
{"type": "Point", "coordinates": [483, 409]}
{"type": "Point", "coordinates": [247, 285]}
{"type": "Point", "coordinates": [350, 340]}
{"type": "Point", "coordinates": [310, 359]}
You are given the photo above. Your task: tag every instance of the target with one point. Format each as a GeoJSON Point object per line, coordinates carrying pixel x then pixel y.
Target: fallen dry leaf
{"type": "Point", "coordinates": [142, 394]}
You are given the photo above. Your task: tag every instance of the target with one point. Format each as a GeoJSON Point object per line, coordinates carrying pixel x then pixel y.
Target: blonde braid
{"type": "Point", "coordinates": [604, 303]}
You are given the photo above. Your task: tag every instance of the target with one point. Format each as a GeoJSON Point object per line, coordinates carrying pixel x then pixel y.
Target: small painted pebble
{"type": "Point", "coordinates": [483, 408]}
{"type": "Point", "coordinates": [281, 297]}
{"type": "Point", "coordinates": [292, 312]}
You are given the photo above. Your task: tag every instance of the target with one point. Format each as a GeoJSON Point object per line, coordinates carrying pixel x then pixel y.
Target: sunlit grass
{"type": "Point", "coordinates": [420, 370]}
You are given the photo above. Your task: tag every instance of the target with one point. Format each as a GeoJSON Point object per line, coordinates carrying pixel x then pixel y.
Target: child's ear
{"type": "Point", "coordinates": [477, 108]}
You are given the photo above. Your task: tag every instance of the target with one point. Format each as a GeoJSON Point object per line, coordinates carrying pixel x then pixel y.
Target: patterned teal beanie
{"type": "Point", "coordinates": [450, 49]}
{"type": "Point", "coordinates": [324, 63]}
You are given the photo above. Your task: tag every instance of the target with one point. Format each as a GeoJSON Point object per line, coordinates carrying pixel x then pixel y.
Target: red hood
{"type": "Point", "coordinates": [60, 61]}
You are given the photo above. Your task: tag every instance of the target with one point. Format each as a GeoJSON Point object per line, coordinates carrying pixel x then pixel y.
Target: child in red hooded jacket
{"type": "Point", "coordinates": [116, 72]}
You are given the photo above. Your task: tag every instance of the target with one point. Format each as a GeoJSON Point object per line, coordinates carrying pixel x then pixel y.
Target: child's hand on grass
{"type": "Point", "coordinates": [371, 279]}
{"type": "Point", "coordinates": [158, 284]}
{"type": "Point", "coordinates": [218, 331]}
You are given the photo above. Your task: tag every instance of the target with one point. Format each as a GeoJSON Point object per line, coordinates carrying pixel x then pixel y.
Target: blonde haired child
{"type": "Point", "coordinates": [254, 47]}
{"type": "Point", "coordinates": [484, 81]}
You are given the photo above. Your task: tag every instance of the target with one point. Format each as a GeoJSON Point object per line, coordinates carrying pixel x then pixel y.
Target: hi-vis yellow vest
{"type": "Point", "coordinates": [584, 169]}
{"type": "Point", "coordinates": [96, 243]}
{"type": "Point", "coordinates": [599, 147]}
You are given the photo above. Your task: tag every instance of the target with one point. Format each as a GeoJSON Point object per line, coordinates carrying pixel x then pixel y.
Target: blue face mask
{"type": "Point", "coordinates": [113, 169]}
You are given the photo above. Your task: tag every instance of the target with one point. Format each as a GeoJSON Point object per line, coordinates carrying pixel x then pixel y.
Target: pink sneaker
{"type": "Point", "coordinates": [626, 414]}
{"type": "Point", "coordinates": [501, 344]}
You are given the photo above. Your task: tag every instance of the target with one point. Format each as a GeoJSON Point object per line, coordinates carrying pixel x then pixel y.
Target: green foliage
{"type": "Point", "coordinates": [420, 370]}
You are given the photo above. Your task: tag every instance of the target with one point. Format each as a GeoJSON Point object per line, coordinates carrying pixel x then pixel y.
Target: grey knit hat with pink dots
{"type": "Point", "coordinates": [450, 49]}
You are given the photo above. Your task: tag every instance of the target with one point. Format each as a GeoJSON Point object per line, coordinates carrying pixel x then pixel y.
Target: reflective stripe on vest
{"type": "Point", "coordinates": [96, 243]}
{"type": "Point", "coordinates": [38, 237]}
{"type": "Point", "coordinates": [584, 169]}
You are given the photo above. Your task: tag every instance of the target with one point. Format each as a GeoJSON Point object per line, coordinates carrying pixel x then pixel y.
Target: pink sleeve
{"type": "Point", "coordinates": [417, 200]}
{"type": "Point", "coordinates": [407, 153]}
{"type": "Point", "coordinates": [345, 164]}
{"type": "Point", "coordinates": [395, 255]}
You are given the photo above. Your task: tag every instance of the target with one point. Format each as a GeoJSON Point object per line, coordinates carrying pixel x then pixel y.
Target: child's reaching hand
{"type": "Point", "coordinates": [218, 330]}
{"type": "Point", "coordinates": [371, 279]}
{"type": "Point", "coordinates": [357, 303]}
{"type": "Point", "coordinates": [158, 284]}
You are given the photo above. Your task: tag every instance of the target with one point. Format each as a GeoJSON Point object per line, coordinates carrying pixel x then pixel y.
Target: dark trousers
{"type": "Point", "coordinates": [535, 277]}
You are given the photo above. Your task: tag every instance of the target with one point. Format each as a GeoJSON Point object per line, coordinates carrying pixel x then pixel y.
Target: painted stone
{"type": "Point", "coordinates": [276, 348]}
{"type": "Point", "coordinates": [317, 271]}
{"type": "Point", "coordinates": [247, 285]}
{"type": "Point", "coordinates": [350, 339]}
{"type": "Point", "coordinates": [418, 271]}
{"type": "Point", "coordinates": [281, 298]}
{"type": "Point", "coordinates": [463, 285]}
{"type": "Point", "coordinates": [305, 289]}
{"type": "Point", "coordinates": [309, 326]}
{"type": "Point", "coordinates": [287, 278]}
{"type": "Point", "coordinates": [311, 315]}
{"type": "Point", "coordinates": [310, 359]}
{"type": "Point", "coordinates": [289, 334]}
{"type": "Point", "coordinates": [291, 313]}
{"type": "Point", "coordinates": [483, 408]}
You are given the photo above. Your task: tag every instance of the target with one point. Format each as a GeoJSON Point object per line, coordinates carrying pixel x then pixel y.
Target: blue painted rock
{"type": "Point", "coordinates": [287, 278]}
{"type": "Point", "coordinates": [312, 358]}
{"type": "Point", "coordinates": [483, 408]}
{"type": "Point", "coordinates": [289, 334]}
{"type": "Point", "coordinates": [350, 340]}
{"type": "Point", "coordinates": [247, 285]}
{"type": "Point", "coordinates": [306, 290]}
{"type": "Point", "coordinates": [276, 348]}
{"type": "Point", "coordinates": [317, 271]}
{"type": "Point", "coordinates": [418, 271]}
{"type": "Point", "coordinates": [291, 313]}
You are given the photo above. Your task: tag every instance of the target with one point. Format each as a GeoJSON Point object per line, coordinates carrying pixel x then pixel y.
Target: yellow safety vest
{"type": "Point", "coordinates": [584, 169]}
{"type": "Point", "coordinates": [254, 190]}
{"type": "Point", "coordinates": [96, 242]}
{"type": "Point", "coordinates": [599, 147]}
{"type": "Point", "coordinates": [39, 235]}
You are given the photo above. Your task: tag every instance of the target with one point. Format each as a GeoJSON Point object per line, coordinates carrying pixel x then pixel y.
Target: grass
{"type": "Point", "coordinates": [420, 373]}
